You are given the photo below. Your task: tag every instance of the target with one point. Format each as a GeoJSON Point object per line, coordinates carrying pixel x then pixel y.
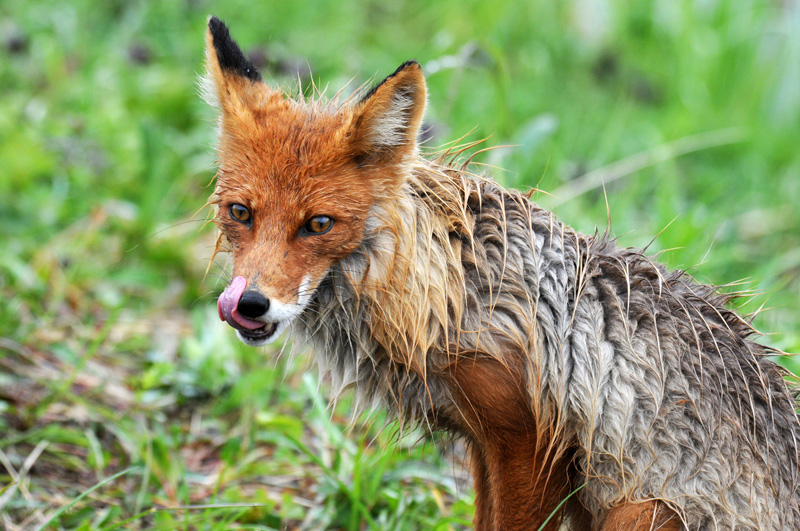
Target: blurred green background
{"type": "Point", "coordinates": [687, 114]}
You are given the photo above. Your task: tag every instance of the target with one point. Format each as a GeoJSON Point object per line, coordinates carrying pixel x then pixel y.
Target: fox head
{"type": "Point", "coordinates": [297, 180]}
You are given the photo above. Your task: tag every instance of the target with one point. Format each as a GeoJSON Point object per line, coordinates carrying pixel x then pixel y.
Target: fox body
{"type": "Point", "coordinates": [565, 361]}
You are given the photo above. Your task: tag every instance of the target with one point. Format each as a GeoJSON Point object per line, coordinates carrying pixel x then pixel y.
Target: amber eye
{"type": "Point", "coordinates": [318, 225]}
{"type": "Point", "coordinates": [240, 213]}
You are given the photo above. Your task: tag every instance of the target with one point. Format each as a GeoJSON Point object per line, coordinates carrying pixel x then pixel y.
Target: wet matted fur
{"type": "Point", "coordinates": [566, 361]}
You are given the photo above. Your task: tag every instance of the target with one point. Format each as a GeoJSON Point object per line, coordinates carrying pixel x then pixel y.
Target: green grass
{"type": "Point", "coordinates": [111, 354]}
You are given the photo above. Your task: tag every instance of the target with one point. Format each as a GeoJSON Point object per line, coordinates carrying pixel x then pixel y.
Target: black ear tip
{"type": "Point", "coordinates": [216, 26]}
{"type": "Point", "coordinates": [219, 33]}
{"type": "Point", "coordinates": [410, 62]}
{"type": "Point", "coordinates": [229, 55]}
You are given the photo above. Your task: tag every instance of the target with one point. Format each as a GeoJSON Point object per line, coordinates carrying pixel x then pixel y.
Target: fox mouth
{"type": "Point", "coordinates": [258, 336]}
{"type": "Point", "coordinates": [255, 319]}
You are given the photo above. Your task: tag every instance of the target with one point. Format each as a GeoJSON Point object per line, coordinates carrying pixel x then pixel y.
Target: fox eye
{"type": "Point", "coordinates": [240, 213]}
{"type": "Point", "coordinates": [318, 225]}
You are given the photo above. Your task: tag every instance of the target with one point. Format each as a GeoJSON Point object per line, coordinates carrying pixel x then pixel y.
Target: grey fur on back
{"type": "Point", "coordinates": [647, 376]}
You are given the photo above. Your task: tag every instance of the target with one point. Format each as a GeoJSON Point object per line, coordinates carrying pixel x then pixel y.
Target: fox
{"type": "Point", "coordinates": [594, 388]}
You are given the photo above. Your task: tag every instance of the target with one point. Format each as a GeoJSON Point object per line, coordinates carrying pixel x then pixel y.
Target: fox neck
{"type": "Point", "coordinates": [379, 316]}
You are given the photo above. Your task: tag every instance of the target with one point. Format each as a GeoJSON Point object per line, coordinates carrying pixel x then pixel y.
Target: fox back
{"type": "Point", "coordinates": [566, 362]}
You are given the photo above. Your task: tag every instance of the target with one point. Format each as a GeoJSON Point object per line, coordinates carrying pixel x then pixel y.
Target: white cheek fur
{"type": "Point", "coordinates": [283, 311]}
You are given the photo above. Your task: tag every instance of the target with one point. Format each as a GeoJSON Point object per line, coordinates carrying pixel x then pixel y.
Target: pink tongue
{"type": "Point", "coordinates": [228, 304]}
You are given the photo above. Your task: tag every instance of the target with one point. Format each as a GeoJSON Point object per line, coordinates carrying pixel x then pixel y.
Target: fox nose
{"type": "Point", "coordinates": [253, 304]}
{"type": "Point", "coordinates": [238, 315]}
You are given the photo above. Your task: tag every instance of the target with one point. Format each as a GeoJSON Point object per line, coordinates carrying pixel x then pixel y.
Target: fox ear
{"type": "Point", "coordinates": [231, 79]}
{"type": "Point", "coordinates": [388, 118]}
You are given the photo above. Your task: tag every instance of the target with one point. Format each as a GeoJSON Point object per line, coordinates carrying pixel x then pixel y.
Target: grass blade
{"type": "Point", "coordinates": [559, 506]}
{"type": "Point", "coordinates": [61, 511]}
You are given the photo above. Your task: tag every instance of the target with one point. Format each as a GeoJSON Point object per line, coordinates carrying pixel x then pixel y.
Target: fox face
{"type": "Point", "coordinates": [297, 180]}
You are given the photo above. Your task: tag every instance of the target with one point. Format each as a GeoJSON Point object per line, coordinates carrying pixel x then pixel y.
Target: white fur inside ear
{"type": "Point", "coordinates": [208, 90]}
{"type": "Point", "coordinates": [391, 128]}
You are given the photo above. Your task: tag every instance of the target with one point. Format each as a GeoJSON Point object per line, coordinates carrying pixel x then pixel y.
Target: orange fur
{"type": "Point", "coordinates": [518, 482]}
{"type": "Point", "coordinates": [642, 516]}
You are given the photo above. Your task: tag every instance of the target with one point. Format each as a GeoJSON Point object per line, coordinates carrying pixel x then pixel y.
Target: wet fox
{"type": "Point", "coordinates": [566, 362]}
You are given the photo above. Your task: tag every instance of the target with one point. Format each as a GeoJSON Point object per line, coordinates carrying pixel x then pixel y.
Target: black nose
{"type": "Point", "coordinates": [253, 304]}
